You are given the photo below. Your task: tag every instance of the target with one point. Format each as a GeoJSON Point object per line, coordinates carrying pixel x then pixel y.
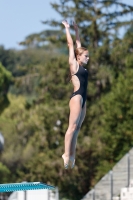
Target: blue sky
{"type": "Point", "coordinates": [19, 19]}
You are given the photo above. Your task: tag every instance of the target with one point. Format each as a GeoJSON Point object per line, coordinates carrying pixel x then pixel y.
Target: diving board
{"type": "Point", "coordinates": [10, 187]}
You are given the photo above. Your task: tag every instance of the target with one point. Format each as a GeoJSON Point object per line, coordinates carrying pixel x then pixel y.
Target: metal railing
{"type": "Point", "coordinates": [111, 184]}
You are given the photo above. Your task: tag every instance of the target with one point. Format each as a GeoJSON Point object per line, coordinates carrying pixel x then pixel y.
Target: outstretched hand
{"type": "Point", "coordinates": [75, 26]}
{"type": "Point", "coordinates": [66, 24]}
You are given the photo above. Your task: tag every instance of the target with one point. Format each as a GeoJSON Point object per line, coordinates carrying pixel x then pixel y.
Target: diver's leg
{"type": "Point", "coordinates": [75, 105]}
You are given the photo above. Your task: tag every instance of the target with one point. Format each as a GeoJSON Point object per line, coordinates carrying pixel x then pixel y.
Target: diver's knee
{"type": "Point", "coordinates": [73, 128]}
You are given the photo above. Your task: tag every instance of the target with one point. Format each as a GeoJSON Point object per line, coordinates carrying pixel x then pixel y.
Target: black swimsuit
{"type": "Point", "coordinates": [82, 75]}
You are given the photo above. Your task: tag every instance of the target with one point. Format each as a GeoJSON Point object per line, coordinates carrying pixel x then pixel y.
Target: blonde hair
{"type": "Point", "coordinates": [79, 51]}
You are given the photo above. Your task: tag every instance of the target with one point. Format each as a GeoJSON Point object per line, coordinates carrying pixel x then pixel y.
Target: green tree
{"type": "Point", "coordinates": [8, 58]}
{"type": "Point", "coordinates": [4, 174]}
{"type": "Point", "coordinates": [111, 128]}
{"type": "Point", "coordinates": [99, 21]}
{"type": "Point", "coordinates": [34, 140]}
{"type": "Point", "coordinates": [5, 79]}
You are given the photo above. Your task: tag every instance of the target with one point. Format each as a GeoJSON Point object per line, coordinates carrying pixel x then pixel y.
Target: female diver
{"type": "Point", "coordinates": [79, 77]}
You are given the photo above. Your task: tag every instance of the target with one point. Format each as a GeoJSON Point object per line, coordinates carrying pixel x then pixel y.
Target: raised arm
{"type": "Point", "coordinates": [72, 59]}
{"type": "Point", "coordinates": [78, 42]}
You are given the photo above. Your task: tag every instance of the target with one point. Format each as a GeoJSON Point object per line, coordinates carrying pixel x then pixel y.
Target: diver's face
{"type": "Point", "coordinates": [84, 57]}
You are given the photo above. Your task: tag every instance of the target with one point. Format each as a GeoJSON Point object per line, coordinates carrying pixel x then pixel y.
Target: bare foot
{"type": "Point", "coordinates": [66, 161]}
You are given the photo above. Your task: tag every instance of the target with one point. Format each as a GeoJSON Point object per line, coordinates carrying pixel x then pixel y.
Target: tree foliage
{"type": "Point", "coordinates": [35, 121]}
{"type": "Point", "coordinates": [4, 174]}
{"type": "Point", "coordinates": [5, 79]}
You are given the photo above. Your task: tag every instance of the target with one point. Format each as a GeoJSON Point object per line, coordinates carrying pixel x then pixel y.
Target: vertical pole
{"type": "Point", "coordinates": [25, 195]}
{"type": "Point", "coordinates": [111, 185]}
{"type": "Point", "coordinates": [57, 194]}
{"type": "Point", "coordinates": [48, 194]}
{"type": "Point", "coordinates": [128, 169]}
{"type": "Point", "coordinates": [94, 193]}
